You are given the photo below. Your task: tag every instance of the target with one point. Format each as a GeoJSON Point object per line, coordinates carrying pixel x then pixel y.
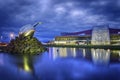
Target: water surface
{"type": "Point", "coordinates": [62, 64]}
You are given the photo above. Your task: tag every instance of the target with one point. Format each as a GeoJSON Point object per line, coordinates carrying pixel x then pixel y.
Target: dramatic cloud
{"type": "Point", "coordinates": [58, 15]}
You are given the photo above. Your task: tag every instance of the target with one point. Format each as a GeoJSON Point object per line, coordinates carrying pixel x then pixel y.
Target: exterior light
{"type": "Point", "coordinates": [11, 36]}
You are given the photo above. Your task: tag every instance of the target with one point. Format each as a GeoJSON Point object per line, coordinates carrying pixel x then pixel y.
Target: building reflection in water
{"type": "Point", "coordinates": [115, 56]}
{"type": "Point", "coordinates": [68, 52]}
{"type": "Point", "coordinates": [100, 56]}
{"type": "Point", "coordinates": [97, 56]}
{"type": "Point", "coordinates": [62, 52]}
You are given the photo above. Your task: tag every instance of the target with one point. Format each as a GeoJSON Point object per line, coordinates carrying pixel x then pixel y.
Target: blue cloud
{"type": "Point", "coordinates": [58, 15]}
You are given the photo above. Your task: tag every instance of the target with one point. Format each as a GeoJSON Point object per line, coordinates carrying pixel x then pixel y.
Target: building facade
{"type": "Point", "coordinates": [99, 35]}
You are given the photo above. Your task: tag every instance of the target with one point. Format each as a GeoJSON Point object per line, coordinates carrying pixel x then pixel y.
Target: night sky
{"type": "Point", "coordinates": [57, 15]}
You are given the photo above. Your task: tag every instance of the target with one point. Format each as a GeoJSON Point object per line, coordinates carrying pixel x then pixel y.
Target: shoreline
{"type": "Point", "coordinates": [112, 47]}
{"type": "Point", "coordinates": [86, 46]}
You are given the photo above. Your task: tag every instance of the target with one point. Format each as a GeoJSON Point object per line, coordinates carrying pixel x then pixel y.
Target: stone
{"type": "Point", "coordinates": [25, 45]}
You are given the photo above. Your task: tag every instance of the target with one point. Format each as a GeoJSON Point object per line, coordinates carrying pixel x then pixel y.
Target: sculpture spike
{"type": "Point", "coordinates": [37, 24]}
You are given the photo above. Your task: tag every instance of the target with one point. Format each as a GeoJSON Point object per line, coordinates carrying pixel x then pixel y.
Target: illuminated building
{"type": "Point", "coordinates": [99, 35]}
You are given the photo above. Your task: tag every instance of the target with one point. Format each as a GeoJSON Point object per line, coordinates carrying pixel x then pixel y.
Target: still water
{"type": "Point", "coordinates": [62, 64]}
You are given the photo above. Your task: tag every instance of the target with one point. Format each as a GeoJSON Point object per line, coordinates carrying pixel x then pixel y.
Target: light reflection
{"type": "Point", "coordinates": [84, 52]}
{"type": "Point", "coordinates": [62, 52]}
{"type": "Point", "coordinates": [67, 52]}
{"type": "Point", "coordinates": [25, 63]}
{"type": "Point", "coordinates": [115, 56]}
{"type": "Point", "coordinates": [47, 68]}
{"type": "Point", "coordinates": [1, 59]}
{"type": "Point", "coordinates": [97, 56]}
{"type": "Point", "coordinates": [100, 56]}
{"type": "Point", "coordinates": [119, 56]}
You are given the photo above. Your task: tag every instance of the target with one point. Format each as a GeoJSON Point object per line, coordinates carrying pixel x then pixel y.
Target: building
{"type": "Point", "coordinates": [99, 35]}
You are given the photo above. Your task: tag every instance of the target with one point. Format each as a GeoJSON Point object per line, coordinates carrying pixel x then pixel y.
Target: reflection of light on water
{"type": "Point", "coordinates": [62, 52]}
{"type": "Point", "coordinates": [66, 52]}
{"type": "Point", "coordinates": [101, 56]}
{"type": "Point", "coordinates": [115, 55]}
{"type": "Point", "coordinates": [74, 52]}
{"type": "Point", "coordinates": [84, 52]}
{"type": "Point", "coordinates": [98, 56]}
{"type": "Point", "coordinates": [1, 59]}
{"type": "Point", "coordinates": [26, 65]}
{"type": "Point", "coordinates": [119, 54]}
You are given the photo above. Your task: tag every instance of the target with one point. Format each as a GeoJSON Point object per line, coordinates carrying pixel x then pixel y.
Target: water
{"type": "Point", "coordinates": [62, 64]}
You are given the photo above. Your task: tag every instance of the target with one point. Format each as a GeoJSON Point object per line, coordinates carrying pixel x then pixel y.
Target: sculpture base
{"type": "Point", "coordinates": [25, 45]}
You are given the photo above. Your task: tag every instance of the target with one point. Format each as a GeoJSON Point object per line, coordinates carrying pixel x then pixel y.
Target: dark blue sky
{"type": "Point", "coordinates": [57, 15]}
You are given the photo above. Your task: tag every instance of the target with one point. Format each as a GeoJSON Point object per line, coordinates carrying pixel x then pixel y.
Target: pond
{"type": "Point", "coordinates": [62, 64]}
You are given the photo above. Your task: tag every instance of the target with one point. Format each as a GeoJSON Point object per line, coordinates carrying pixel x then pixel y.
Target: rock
{"type": "Point", "coordinates": [25, 45]}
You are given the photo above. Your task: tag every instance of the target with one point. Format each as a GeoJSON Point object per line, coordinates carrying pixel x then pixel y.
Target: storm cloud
{"type": "Point", "coordinates": [58, 15]}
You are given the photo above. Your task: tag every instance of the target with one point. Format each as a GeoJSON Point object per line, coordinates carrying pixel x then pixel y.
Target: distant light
{"type": "Point", "coordinates": [12, 35]}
